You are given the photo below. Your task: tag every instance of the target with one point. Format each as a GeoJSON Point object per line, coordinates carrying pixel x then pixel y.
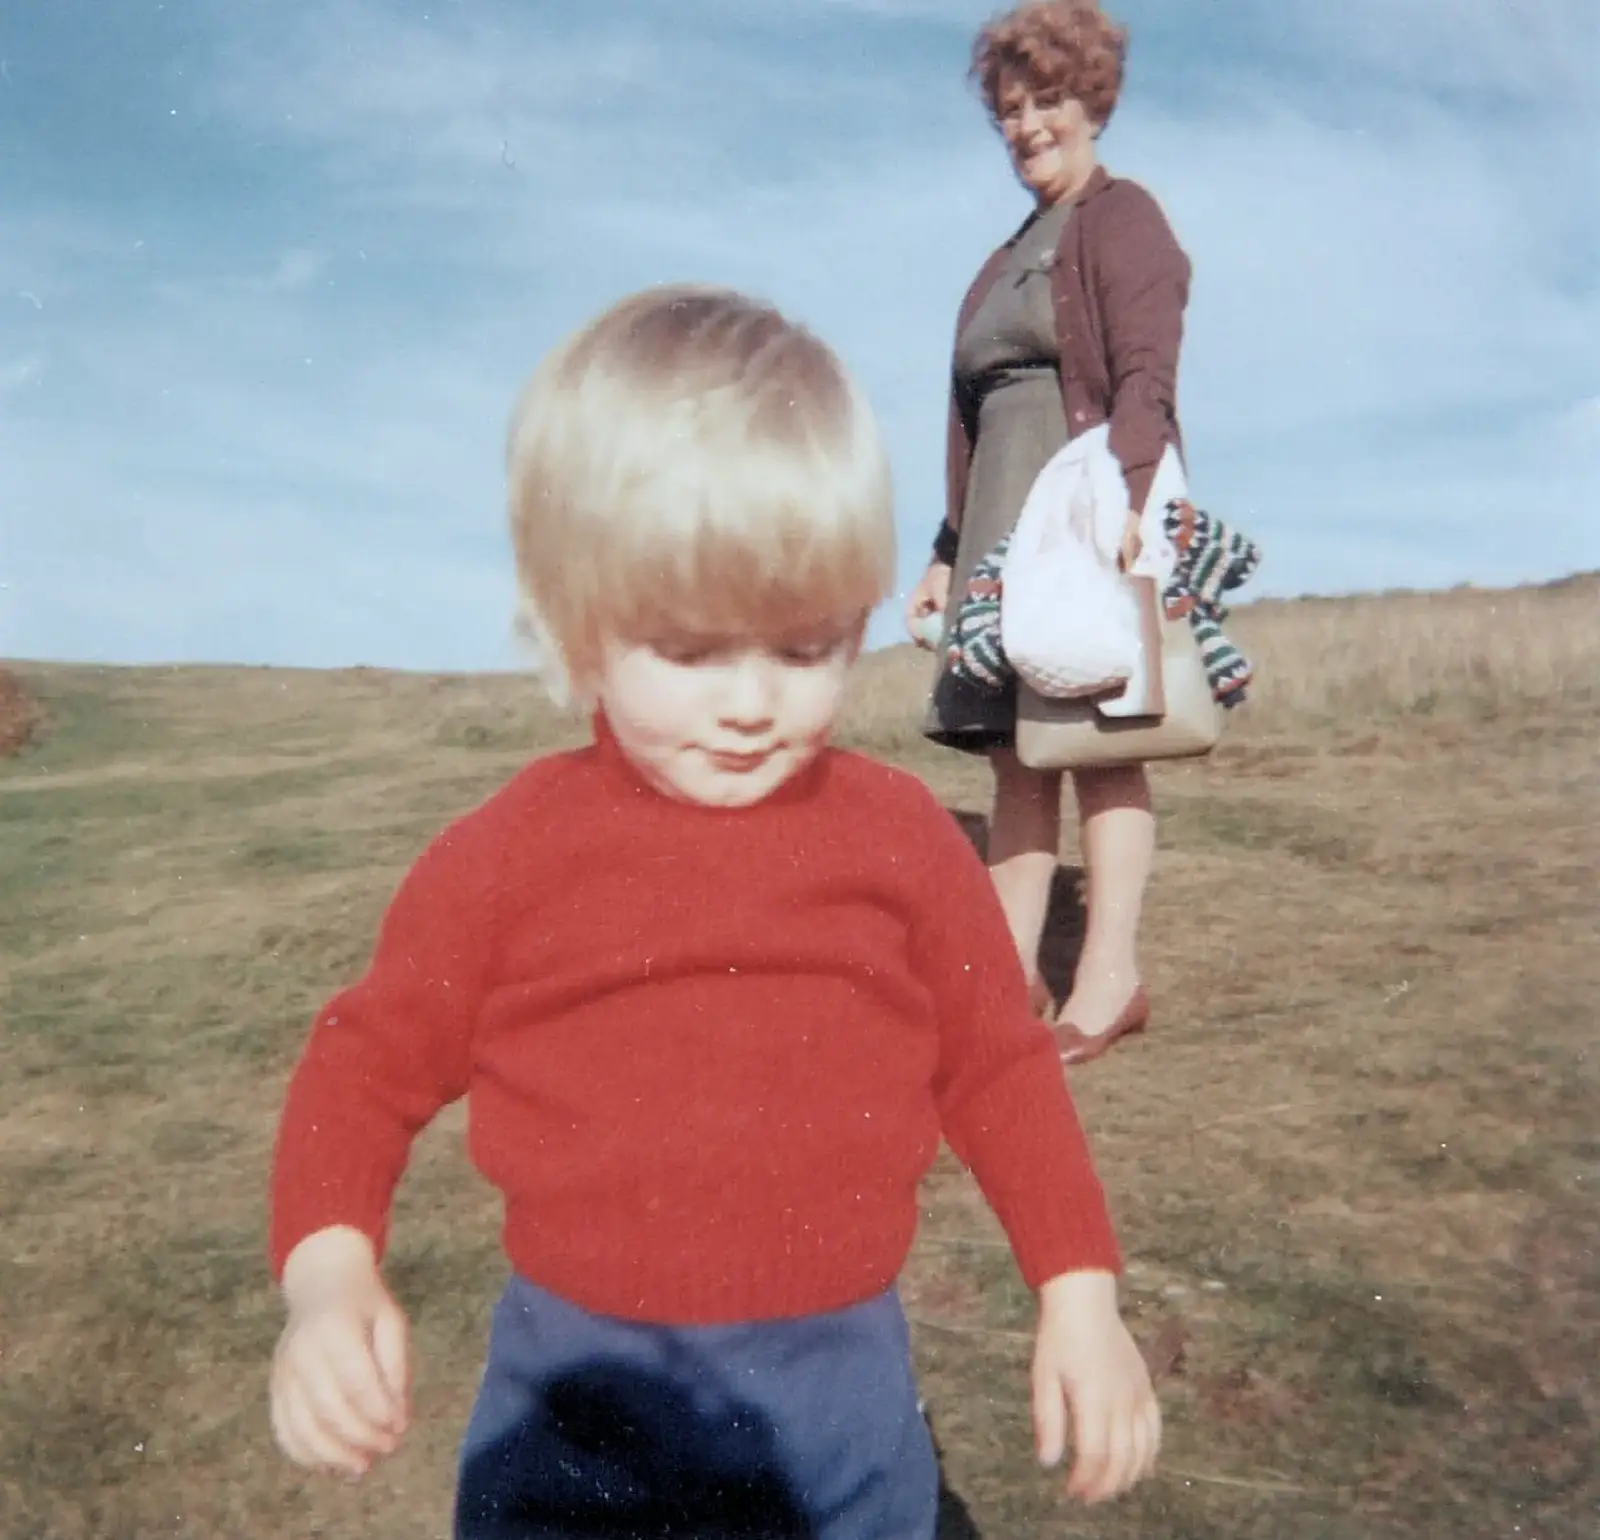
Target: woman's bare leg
{"type": "Point", "coordinates": [1118, 832]}
{"type": "Point", "coordinates": [1024, 841]}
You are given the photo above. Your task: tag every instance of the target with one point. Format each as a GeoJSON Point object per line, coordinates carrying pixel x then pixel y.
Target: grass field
{"type": "Point", "coordinates": [1354, 1161]}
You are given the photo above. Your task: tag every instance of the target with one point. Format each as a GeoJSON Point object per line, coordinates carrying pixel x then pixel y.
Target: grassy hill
{"type": "Point", "coordinates": [1354, 1161]}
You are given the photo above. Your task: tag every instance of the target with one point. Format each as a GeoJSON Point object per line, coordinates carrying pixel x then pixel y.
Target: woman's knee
{"type": "Point", "coordinates": [1104, 787]}
{"type": "Point", "coordinates": [1018, 784]}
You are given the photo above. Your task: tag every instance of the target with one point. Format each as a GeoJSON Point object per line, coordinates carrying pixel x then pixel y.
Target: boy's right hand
{"type": "Point", "coordinates": [341, 1374]}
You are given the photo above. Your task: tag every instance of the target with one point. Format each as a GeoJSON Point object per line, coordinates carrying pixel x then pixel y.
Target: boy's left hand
{"type": "Point", "coordinates": [1086, 1364]}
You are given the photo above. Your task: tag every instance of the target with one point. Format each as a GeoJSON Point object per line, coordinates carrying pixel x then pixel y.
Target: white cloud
{"type": "Point", "coordinates": [18, 373]}
{"type": "Point", "coordinates": [291, 449]}
{"type": "Point", "coordinates": [296, 270]}
{"type": "Point", "coordinates": [1482, 46]}
{"type": "Point", "coordinates": [1577, 426]}
{"type": "Point", "coordinates": [1485, 47]}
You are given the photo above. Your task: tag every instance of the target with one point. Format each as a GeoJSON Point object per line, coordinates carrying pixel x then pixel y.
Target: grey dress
{"type": "Point", "coordinates": [1008, 359]}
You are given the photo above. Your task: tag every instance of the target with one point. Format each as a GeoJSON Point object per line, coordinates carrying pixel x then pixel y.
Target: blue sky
{"type": "Point", "coordinates": [271, 274]}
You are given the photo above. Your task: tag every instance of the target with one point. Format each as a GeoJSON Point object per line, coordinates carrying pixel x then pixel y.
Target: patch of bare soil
{"type": "Point", "coordinates": [19, 717]}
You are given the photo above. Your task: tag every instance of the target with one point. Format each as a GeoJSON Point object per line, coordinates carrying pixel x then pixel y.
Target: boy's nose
{"type": "Point", "coordinates": [751, 698]}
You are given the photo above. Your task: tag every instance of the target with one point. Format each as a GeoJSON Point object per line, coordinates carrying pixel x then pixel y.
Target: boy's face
{"type": "Point", "coordinates": [724, 724]}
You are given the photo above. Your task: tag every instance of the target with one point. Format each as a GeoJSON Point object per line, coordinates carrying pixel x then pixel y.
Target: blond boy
{"type": "Point", "coordinates": [714, 991]}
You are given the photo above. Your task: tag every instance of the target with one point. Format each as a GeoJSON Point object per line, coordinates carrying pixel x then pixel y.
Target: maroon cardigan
{"type": "Point", "coordinates": [1118, 286]}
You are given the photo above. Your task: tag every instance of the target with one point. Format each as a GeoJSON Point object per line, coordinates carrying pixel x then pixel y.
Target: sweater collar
{"type": "Point", "coordinates": [623, 772]}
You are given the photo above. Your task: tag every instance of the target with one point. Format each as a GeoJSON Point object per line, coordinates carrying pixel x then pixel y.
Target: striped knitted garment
{"type": "Point", "coordinates": [1213, 559]}
{"type": "Point", "coordinates": [974, 653]}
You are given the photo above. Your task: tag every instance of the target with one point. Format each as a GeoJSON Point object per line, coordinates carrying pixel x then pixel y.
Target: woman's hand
{"type": "Point", "coordinates": [1132, 542]}
{"type": "Point", "coordinates": [340, 1376]}
{"type": "Point", "coordinates": [1086, 1364]}
{"type": "Point", "coordinates": [931, 596]}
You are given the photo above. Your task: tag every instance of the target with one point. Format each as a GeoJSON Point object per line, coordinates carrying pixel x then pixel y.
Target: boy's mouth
{"type": "Point", "coordinates": [741, 760]}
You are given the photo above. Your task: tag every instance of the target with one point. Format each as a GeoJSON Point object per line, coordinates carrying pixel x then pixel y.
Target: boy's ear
{"type": "Point", "coordinates": [582, 694]}
{"type": "Point", "coordinates": [566, 691]}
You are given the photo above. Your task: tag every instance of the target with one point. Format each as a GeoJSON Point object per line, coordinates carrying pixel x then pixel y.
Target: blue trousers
{"type": "Point", "coordinates": [587, 1426]}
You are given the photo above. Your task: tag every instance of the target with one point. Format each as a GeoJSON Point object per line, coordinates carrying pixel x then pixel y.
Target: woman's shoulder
{"type": "Point", "coordinates": [1123, 213]}
{"type": "Point", "coordinates": [1122, 199]}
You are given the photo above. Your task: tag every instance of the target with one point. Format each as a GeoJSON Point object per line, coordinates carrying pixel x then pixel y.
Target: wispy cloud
{"type": "Point", "coordinates": [16, 374]}
{"type": "Point", "coordinates": [254, 407]}
{"type": "Point", "coordinates": [295, 270]}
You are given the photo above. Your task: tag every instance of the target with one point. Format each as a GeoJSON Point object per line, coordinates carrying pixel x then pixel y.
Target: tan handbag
{"type": "Point", "coordinates": [1179, 717]}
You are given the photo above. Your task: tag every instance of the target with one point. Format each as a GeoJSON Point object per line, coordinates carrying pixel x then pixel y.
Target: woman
{"type": "Point", "coordinates": [1074, 321]}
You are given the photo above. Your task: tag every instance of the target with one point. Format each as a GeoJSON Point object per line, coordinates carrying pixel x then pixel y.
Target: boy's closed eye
{"type": "Point", "coordinates": [802, 652]}
{"type": "Point", "coordinates": [686, 652]}
{"type": "Point", "coordinates": [810, 652]}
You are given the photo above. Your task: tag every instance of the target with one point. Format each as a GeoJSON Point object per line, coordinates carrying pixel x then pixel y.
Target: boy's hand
{"type": "Point", "coordinates": [340, 1376]}
{"type": "Point", "coordinates": [1085, 1362]}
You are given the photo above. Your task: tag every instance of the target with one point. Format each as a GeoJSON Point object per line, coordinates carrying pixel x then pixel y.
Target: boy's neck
{"type": "Point", "coordinates": [797, 788]}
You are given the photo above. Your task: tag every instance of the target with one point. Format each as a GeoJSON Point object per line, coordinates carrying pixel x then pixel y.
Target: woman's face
{"type": "Point", "coordinates": [1050, 138]}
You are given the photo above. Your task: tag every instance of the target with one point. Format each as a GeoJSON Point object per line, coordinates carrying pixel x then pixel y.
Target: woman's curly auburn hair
{"type": "Point", "coordinates": [1046, 46]}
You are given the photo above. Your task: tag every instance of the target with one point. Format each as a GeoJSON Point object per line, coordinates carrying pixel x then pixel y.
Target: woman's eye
{"type": "Point", "coordinates": [1049, 101]}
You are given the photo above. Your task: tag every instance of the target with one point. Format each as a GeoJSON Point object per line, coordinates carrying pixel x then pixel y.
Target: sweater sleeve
{"type": "Point", "coordinates": [388, 1052]}
{"type": "Point", "coordinates": [1003, 1101]}
{"type": "Point", "coordinates": [1143, 277]}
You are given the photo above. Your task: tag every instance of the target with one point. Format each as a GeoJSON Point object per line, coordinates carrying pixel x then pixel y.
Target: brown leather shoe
{"type": "Point", "coordinates": [1078, 1047]}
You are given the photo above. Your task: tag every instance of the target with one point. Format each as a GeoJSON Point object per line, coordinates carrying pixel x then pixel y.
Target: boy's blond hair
{"type": "Point", "coordinates": [692, 463]}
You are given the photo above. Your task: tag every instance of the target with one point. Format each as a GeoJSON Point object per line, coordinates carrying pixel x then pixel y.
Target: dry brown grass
{"type": "Point", "coordinates": [18, 715]}
{"type": "Point", "coordinates": [1368, 660]}
{"type": "Point", "coordinates": [1329, 661]}
{"type": "Point", "coordinates": [1353, 1162]}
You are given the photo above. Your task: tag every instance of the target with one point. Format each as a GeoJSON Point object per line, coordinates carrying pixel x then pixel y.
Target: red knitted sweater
{"type": "Point", "coordinates": [708, 1054]}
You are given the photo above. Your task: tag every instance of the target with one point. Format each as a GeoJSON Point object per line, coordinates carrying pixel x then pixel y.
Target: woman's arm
{"type": "Point", "coordinates": [1142, 277]}
{"type": "Point", "coordinates": [957, 463]}
{"type": "Point", "coordinates": [958, 433]}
